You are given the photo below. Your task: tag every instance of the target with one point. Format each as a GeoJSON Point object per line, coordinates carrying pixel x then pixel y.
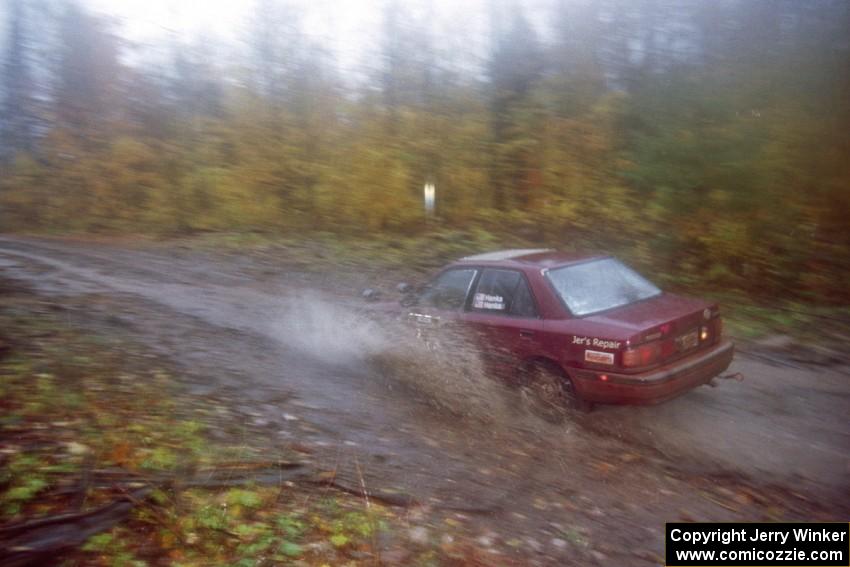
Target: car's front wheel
{"type": "Point", "coordinates": [546, 391]}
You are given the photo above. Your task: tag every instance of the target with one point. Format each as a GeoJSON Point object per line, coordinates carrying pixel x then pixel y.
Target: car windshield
{"type": "Point", "coordinates": [599, 285]}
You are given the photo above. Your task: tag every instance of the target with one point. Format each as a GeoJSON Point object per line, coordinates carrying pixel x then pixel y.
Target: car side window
{"type": "Point", "coordinates": [503, 291]}
{"type": "Point", "coordinates": [449, 290]}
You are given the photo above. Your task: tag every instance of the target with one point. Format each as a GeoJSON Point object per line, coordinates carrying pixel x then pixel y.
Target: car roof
{"type": "Point", "coordinates": [538, 257]}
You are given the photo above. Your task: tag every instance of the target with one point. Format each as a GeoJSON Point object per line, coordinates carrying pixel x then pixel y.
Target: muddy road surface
{"type": "Point", "coordinates": [292, 349]}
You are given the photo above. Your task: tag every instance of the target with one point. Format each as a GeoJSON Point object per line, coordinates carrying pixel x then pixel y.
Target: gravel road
{"type": "Point", "coordinates": [291, 349]}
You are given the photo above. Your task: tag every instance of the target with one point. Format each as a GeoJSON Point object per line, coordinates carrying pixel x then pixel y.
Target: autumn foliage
{"type": "Point", "coordinates": [706, 138]}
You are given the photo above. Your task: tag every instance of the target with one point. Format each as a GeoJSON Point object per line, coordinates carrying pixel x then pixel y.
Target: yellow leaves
{"type": "Point", "coordinates": [130, 153]}
{"type": "Point", "coordinates": [120, 453]}
{"type": "Point", "coordinates": [676, 176]}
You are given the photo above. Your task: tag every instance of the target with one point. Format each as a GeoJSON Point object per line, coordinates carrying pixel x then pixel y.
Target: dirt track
{"type": "Point", "coordinates": [774, 446]}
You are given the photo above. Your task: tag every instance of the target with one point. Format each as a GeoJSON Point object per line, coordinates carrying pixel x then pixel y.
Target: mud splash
{"type": "Point", "coordinates": [326, 330]}
{"type": "Point", "coordinates": [449, 375]}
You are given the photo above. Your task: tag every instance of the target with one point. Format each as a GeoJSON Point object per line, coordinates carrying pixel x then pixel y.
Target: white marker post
{"type": "Point", "coordinates": [429, 194]}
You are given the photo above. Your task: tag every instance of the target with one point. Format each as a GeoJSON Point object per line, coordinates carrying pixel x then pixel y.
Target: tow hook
{"type": "Point", "coordinates": [731, 376]}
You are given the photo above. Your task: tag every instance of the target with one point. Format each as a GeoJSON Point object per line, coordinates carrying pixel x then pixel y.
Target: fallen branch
{"type": "Point", "coordinates": [34, 541]}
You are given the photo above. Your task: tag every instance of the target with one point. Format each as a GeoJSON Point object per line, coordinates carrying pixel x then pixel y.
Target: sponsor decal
{"type": "Point", "coordinates": [486, 301]}
{"type": "Point", "coordinates": [598, 343]}
{"type": "Point", "coordinates": [598, 357]}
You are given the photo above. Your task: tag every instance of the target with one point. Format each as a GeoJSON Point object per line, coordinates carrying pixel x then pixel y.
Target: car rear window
{"type": "Point", "coordinates": [599, 285]}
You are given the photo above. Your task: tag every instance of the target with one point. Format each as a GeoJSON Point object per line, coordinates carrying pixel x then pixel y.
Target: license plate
{"type": "Point", "coordinates": [688, 341]}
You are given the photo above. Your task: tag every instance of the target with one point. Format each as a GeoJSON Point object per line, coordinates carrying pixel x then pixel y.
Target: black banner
{"type": "Point", "coordinates": [757, 544]}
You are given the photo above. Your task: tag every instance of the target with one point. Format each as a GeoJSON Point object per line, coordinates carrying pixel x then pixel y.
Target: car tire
{"type": "Point", "coordinates": [547, 392]}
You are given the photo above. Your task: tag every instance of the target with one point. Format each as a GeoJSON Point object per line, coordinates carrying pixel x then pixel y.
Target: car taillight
{"type": "Point", "coordinates": [643, 355]}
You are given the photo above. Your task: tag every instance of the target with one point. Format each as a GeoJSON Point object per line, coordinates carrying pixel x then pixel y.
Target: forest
{"type": "Point", "coordinates": [706, 138]}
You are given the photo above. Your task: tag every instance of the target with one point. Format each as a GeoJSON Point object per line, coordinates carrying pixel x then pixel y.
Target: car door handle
{"type": "Point", "coordinates": [526, 333]}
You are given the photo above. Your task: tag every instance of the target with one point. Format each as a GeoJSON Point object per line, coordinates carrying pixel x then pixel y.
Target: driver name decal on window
{"type": "Point", "coordinates": [486, 301]}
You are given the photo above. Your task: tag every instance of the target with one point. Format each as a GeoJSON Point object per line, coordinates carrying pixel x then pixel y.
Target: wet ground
{"type": "Point", "coordinates": [291, 348]}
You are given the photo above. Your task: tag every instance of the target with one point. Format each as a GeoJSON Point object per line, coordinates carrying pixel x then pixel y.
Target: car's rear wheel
{"type": "Point", "coordinates": [548, 392]}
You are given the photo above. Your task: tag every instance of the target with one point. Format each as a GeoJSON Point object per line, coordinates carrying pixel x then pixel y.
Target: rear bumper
{"type": "Point", "coordinates": [658, 385]}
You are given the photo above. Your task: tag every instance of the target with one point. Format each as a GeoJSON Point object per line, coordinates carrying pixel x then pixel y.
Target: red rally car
{"type": "Point", "coordinates": [581, 329]}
